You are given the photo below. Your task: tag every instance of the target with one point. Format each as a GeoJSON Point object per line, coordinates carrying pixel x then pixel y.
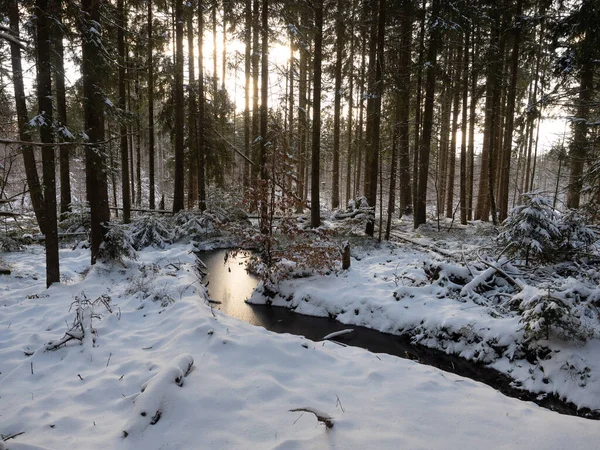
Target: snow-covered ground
{"type": "Point", "coordinates": [243, 381]}
{"type": "Point", "coordinates": [435, 298]}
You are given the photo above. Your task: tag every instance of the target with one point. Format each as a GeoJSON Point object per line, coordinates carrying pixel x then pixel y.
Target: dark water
{"type": "Point", "coordinates": [230, 284]}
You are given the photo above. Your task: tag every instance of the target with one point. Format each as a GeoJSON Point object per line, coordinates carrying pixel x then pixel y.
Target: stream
{"type": "Point", "coordinates": [230, 284]}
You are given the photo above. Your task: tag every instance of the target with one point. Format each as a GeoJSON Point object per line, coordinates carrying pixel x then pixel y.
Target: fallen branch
{"type": "Point", "coordinates": [338, 333]}
{"type": "Point", "coordinates": [431, 247]}
{"type": "Point", "coordinates": [321, 416]}
{"type": "Point", "coordinates": [518, 284]}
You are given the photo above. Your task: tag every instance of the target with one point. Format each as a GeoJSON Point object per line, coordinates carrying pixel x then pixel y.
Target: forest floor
{"type": "Point", "coordinates": [148, 364]}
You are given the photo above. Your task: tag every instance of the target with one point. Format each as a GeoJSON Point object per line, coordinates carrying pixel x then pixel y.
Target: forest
{"type": "Point", "coordinates": [424, 170]}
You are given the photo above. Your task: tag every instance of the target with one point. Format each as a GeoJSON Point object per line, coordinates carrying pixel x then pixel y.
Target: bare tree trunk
{"type": "Point", "coordinates": [61, 108]}
{"type": "Point", "coordinates": [150, 62]}
{"type": "Point", "coordinates": [92, 70]}
{"type": "Point", "coordinates": [179, 109]}
{"type": "Point", "coordinates": [376, 47]}
{"type": "Point", "coordinates": [33, 181]}
{"type": "Point", "coordinates": [201, 122]}
{"type": "Point", "coordinates": [463, 132]}
{"type": "Point", "coordinates": [425, 141]}
{"type": "Point", "coordinates": [192, 116]}
{"type": "Point", "coordinates": [315, 206]}
{"type": "Point", "coordinates": [264, 114]}
{"type": "Point", "coordinates": [417, 143]}
{"type": "Point", "coordinates": [458, 74]}
{"type": "Point", "coordinates": [406, 21]}
{"type": "Point", "coordinates": [509, 127]}
{"type": "Point", "coordinates": [349, 151]}
{"type": "Point", "coordinates": [578, 149]}
{"type": "Point", "coordinates": [255, 76]}
{"type": "Point", "coordinates": [247, 74]}
{"type": "Point", "coordinates": [361, 114]}
{"type": "Point", "coordinates": [302, 129]}
{"type": "Point", "coordinates": [123, 106]}
{"type": "Point", "coordinates": [339, 48]}
{"type": "Point", "coordinates": [44, 97]}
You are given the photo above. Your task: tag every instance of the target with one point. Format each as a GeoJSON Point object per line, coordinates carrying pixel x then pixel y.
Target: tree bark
{"type": "Point", "coordinates": [201, 121]}
{"type": "Point", "coordinates": [264, 115]}
{"type": "Point", "coordinates": [404, 69]}
{"type": "Point", "coordinates": [31, 173]}
{"type": "Point", "coordinates": [92, 71]}
{"type": "Point", "coordinates": [44, 97]}
{"type": "Point", "coordinates": [150, 62]}
{"type": "Point", "coordinates": [179, 109]}
{"type": "Point", "coordinates": [315, 206]}
{"type": "Point", "coordinates": [337, 102]}
{"type": "Point", "coordinates": [192, 116]}
{"type": "Point", "coordinates": [123, 106]}
{"type": "Point", "coordinates": [61, 108]}
{"type": "Point", "coordinates": [425, 141]}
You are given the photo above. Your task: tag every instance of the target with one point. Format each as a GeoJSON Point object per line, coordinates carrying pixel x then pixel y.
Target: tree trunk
{"type": "Point", "coordinates": [33, 181]}
{"type": "Point", "coordinates": [44, 97]}
{"type": "Point", "coordinates": [264, 115]}
{"type": "Point", "coordinates": [509, 126]}
{"type": "Point", "coordinates": [458, 74]}
{"type": "Point", "coordinates": [337, 102]}
{"type": "Point", "coordinates": [463, 132]}
{"type": "Point", "coordinates": [123, 106]}
{"type": "Point", "coordinates": [150, 62]}
{"type": "Point", "coordinates": [255, 109]}
{"type": "Point", "coordinates": [61, 108]}
{"type": "Point", "coordinates": [406, 21]}
{"type": "Point", "coordinates": [179, 109]}
{"type": "Point", "coordinates": [376, 93]}
{"type": "Point", "coordinates": [247, 74]}
{"type": "Point", "coordinates": [417, 143]}
{"type": "Point", "coordinates": [92, 70]}
{"type": "Point", "coordinates": [192, 116]}
{"type": "Point", "coordinates": [302, 127]}
{"type": "Point", "coordinates": [201, 121]}
{"type": "Point", "coordinates": [425, 141]}
{"type": "Point", "coordinates": [578, 148]}
{"type": "Point", "coordinates": [350, 152]}
{"type": "Point", "coordinates": [315, 206]}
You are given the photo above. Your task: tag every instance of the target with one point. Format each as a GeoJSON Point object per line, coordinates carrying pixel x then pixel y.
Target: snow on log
{"type": "Point", "coordinates": [338, 333]}
{"type": "Point", "coordinates": [321, 416]}
{"type": "Point", "coordinates": [149, 404]}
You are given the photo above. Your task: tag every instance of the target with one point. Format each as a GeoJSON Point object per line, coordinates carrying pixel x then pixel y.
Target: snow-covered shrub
{"type": "Point", "coordinates": [194, 225]}
{"type": "Point", "coordinates": [535, 231]}
{"type": "Point", "coordinates": [541, 313]}
{"type": "Point", "coordinates": [8, 244]}
{"type": "Point", "coordinates": [78, 219]}
{"type": "Point", "coordinates": [577, 237]}
{"type": "Point", "coordinates": [149, 231]}
{"type": "Point", "coordinates": [117, 244]}
{"type": "Point", "coordinates": [532, 229]}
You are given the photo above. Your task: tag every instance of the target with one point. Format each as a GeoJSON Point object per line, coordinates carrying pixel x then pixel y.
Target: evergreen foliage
{"type": "Point", "coordinates": [150, 231]}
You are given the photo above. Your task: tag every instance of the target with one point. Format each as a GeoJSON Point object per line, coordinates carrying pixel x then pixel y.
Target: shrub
{"type": "Point", "coordinates": [78, 219]}
{"type": "Point", "coordinates": [535, 231]}
{"type": "Point", "coordinates": [149, 231]}
{"type": "Point", "coordinates": [117, 244]}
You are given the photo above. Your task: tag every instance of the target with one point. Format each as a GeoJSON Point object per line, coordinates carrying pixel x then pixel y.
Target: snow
{"type": "Point", "coordinates": [394, 289]}
{"type": "Point", "coordinates": [242, 381]}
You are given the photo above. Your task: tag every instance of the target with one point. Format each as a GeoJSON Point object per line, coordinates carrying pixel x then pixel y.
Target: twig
{"type": "Point", "coordinates": [321, 416]}
{"type": "Point", "coordinates": [12, 436]}
{"type": "Point", "coordinates": [107, 362]}
{"type": "Point", "coordinates": [519, 285]}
